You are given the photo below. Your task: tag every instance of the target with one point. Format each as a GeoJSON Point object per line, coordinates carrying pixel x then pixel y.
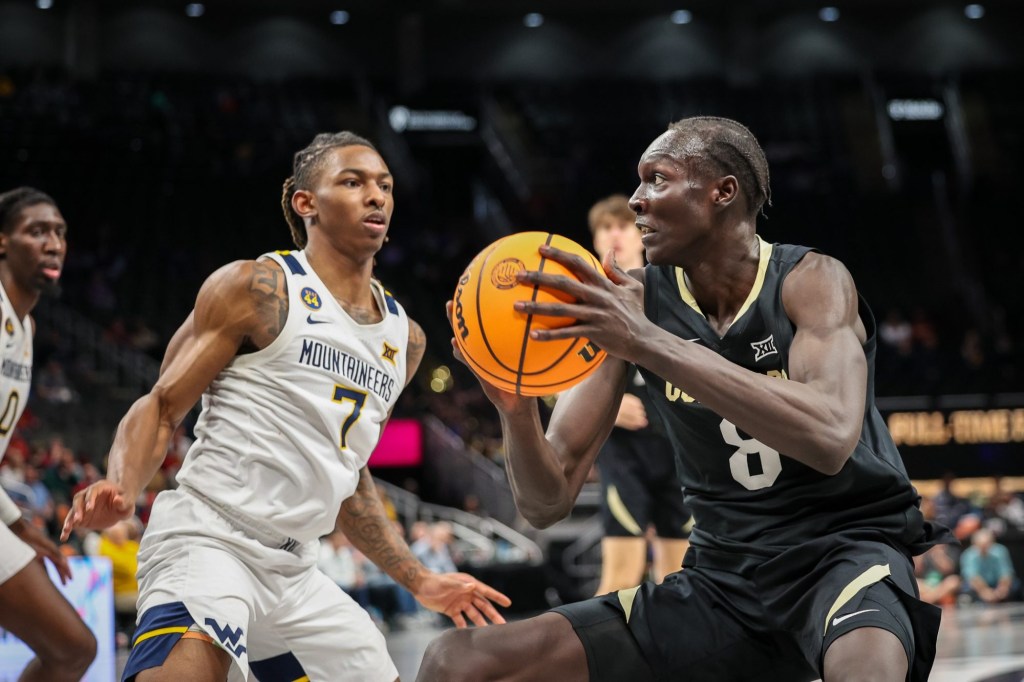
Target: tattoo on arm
{"type": "Point", "coordinates": [270, 294]}
{"type": "Point", "coordinates": [364, 521]}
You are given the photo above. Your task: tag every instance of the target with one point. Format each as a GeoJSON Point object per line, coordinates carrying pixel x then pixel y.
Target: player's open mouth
{"type": "Point", "coordinates": [376, 220]}
{"type": "Point", "coordinates": [644, 229]}
{"type": "Point", "coordinates": [51, 271]}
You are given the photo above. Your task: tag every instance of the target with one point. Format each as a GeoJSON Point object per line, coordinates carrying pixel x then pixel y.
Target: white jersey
{"type": "Point", "coordinates": [284, 431]}
{"type": "Point", "coordinates": [15, 369]}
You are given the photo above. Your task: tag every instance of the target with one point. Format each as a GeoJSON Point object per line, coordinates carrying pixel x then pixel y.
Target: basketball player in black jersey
{"type": "Point", "coordinates": [638, 471]}
{"type": "Point", "coordinates": [759, 358]}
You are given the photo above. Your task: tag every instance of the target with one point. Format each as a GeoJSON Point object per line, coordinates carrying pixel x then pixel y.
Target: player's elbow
{"type": "Point", "coordinates": [835, 450]}
{"type": "Point", "coordinates": [543, 516]}
{"type": "Point", "coordinates": [163, 404]}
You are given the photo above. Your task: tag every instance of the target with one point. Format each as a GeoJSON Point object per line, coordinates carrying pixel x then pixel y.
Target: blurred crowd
{"type": "Point", "coordinates": [984, 566]}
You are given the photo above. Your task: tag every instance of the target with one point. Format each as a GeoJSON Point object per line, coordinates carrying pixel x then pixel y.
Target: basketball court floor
{"type": "Point", "coordinates": [976, 644]}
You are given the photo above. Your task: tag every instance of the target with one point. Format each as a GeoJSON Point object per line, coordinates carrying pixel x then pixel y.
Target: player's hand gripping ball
{"type": "Point", "coordinates": [494, 338]}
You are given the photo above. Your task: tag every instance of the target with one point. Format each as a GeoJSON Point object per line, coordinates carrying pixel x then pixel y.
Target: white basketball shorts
{"type": "Point", "coordinates": [277, 616]}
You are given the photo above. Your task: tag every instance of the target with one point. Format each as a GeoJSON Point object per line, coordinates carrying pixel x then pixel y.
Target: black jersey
{"type": "Point", "coordinates": [749, 501]}
{"type": "Point", "coordinates": [636, 385]}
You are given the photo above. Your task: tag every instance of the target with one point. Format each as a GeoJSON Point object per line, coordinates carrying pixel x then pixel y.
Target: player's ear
{"type": "Point", "coordinates": [725, 191]}
{"type": "Point", "coordinates": [3, 244]}
{"type": "Point", "coordinates": [304, 203]}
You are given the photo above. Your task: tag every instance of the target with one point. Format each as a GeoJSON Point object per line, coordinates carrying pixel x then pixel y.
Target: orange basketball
{"type": "Point", "coordinates": [495, 338]}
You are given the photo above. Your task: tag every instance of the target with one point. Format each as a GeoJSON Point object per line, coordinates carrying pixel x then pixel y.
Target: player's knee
{"type": "Point", "coordinates": [447, 659]}
{"type": "Point", "coordinates": [75, 654]}
{"type": "Point", "coordinates": [866, 655]}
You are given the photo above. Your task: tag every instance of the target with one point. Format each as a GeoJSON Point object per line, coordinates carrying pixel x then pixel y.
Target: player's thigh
{"type": "Point", "coordinates": [870, 586]}
{"type": "Point", "coordinates": [867, 653]}
{"type": "Point", "coordinates": [37, 613]}
{"type": "Point", "coordinates": [195, 597]}
{"type": "Point", "coordinates": [686, 628]}
{"type": "Point", "coordinates": [195, 660]}
{"type": "Point", "coordinates": [320, 632]}
{"type": "Point", "coordinates": [541, 648]}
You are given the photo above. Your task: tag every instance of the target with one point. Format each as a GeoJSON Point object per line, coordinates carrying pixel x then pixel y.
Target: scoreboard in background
{"type": "Point", "coordinates": [969, 435]}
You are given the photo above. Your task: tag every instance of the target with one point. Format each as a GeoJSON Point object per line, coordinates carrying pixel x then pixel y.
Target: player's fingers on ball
{"type": "Point", "coordinates": [566, 258]}
{"type": "Point", "coordinates": [549, 309]}
{"type": "Point", "coordinates": [547, 280]}
{"type": "Point", "coordinates": [571, 332]}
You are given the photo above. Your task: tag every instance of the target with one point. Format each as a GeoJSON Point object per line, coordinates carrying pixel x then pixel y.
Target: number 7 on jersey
{"type": "Point", "coordinates": [357, 398]}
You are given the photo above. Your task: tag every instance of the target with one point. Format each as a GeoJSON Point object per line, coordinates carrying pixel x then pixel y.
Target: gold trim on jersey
{"type": "Point", "coordinates": [621, 513]}
{"type": "Point", "coordinates": [162, 631]}
{"type": "Point", "coordinates": [626, 599]}
{"type": "Point", "coordinates": [865, 579]}
{"type": "Point", "coordinates": [764, 257]}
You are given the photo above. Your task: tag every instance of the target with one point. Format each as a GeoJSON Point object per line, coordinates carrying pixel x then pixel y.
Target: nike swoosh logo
{"type": "Point", "coordinates": [839, 619]}
{"type": "Point", "coordinates": [313, 320]}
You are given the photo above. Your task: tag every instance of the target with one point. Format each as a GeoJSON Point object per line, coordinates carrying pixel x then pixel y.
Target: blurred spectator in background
{"type": "Point", "coordinates": [434, 550]}
{"type": "Point", "coordinates": [418, 531]}
{"type": "Point", "coordinates": [120, 544]}
{"type": "Point", "coordinates": [395, 603]}
{"type": "Point", "coordinates": [937, 578]}
{"type": "Point", "coordinates": [42, 501]}
{"type": "Point", "coordinates": [52, 385]}
{"type": "Point", "coordinates": [1004, 511]}
{"type": "Point", "coordinates": [338, 562]}
{"type": "Point", "coordinates": [955, 512]}
{"type": "Point", "coordinates": [987, 571]}
{"type": "Point", "coordinates": [64, 472]}
{"type": "Point", "coordinates": [896, 333]}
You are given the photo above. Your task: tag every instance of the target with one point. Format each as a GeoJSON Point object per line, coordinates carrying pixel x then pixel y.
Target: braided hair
{"type": "Point", "coordinates": [13, 202]}
{"type": "Point", "coordinates": [306, 168]}
{"type": "Point", "coordinates": [723, 146]}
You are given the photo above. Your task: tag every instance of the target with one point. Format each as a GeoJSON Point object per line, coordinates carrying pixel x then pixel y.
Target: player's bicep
{"type": "Point", "coordinates": [417, 347]}
{"type": "Point", "coordinates": [207, 341]}
{"type": "Point", "coordinates": [584, 416]}
{"type": "Point", "coordinates": [827, 352]}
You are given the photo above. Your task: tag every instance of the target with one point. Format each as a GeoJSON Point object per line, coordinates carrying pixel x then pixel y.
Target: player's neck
{"type": "Point", "coordinates": [722, 272]}
{"type": "Point", "coordinates": [21, 300]}
{"type": "Point", "coordinates": [346, 277]}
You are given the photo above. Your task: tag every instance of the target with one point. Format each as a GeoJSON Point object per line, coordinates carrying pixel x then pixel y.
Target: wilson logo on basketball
{"type": "Point", "coordinates": [460, 316]}
{"type": "Point", "coordinates": [503, 275]}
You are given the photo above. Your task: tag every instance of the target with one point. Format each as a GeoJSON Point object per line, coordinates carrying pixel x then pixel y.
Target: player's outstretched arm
{"type": "Point", "coordinates": [242, 303]}
{"type": "Point", "coordinates": [457, 595]}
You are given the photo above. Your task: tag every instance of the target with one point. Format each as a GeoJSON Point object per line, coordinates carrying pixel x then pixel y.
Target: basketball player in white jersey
{"type": "Point", "coordinates": [299, 358]}
{"type": "Point", "coordinates": [32, 248]}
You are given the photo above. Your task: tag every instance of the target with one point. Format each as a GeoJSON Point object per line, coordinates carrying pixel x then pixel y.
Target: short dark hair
{"type": "Point", "coordinates": [14, 201]}
{"type": "Point", "coordinates": [726, 147]}
{"type": "Point", "coordinates": [306, 168]}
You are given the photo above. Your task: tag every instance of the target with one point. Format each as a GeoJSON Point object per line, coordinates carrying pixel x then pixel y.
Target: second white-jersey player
{"type": "Point", "coordinates": [299, 358]}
